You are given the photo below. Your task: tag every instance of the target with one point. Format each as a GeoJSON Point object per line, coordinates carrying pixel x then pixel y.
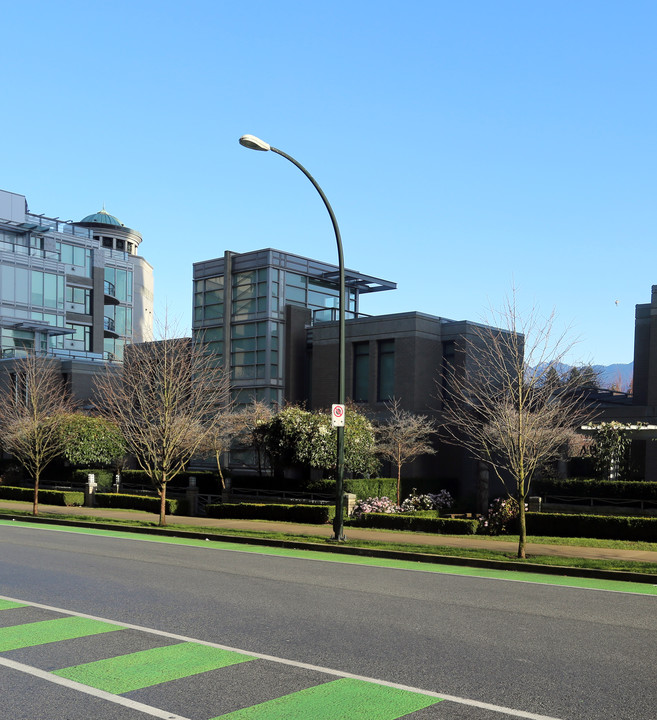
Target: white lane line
{"type": "Point", "coordinates": [261, 656]}
{"type": "Point", "coordinates": [101, 694]}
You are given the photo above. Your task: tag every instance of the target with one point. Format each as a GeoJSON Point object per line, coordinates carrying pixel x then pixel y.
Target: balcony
{"type": "Point", "coordinates": [109, 293]}
{"type": "Point", "coordinates": [109, 328]}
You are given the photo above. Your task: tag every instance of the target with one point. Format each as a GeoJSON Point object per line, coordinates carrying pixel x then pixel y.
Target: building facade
{"type": "Point", "coordinates": [77, 291]}
{"type": "Point", "coordinates": [638, 410]}
{"type": "Point", "coordinates": [253, 308]}
{"type": "Point", "coordinates": [272, 317]}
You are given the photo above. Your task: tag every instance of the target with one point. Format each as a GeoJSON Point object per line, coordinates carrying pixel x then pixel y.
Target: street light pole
{"type": "Point", "coordinates": [254, 143]}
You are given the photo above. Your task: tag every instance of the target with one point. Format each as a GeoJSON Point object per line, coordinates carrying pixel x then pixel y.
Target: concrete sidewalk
{"type": "Point", "coordinates": [355, 534]}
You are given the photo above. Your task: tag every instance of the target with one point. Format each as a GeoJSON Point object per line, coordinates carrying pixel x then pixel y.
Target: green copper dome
{"type": "Point", "coordinates": [102, 218]}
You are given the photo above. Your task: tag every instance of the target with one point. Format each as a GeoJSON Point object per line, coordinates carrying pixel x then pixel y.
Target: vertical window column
{"type": "Point", "coordinates": [361, 375]}
{"type": "Point", "coordinates": [386, 371]}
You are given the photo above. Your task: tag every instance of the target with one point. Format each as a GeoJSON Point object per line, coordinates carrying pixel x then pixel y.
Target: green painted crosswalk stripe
{"type": "Point", "coordinates": [343, 699]}
{"type": "Point", "coordinates": [151, 667]}
{"type": "Point", "coordinates": [9, 604]}
{"type": "Point", "coordinates": [48, 631]}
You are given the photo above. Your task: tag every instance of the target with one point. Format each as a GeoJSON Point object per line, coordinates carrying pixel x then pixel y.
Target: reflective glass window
{"type": "Point", "coordinates": [361, 371]}
{"type": "Point", "coordinates": [386, 367]}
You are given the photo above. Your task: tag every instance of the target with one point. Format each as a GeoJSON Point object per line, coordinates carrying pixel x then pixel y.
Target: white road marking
{"type": "Point", "coordinates": [261, 656]}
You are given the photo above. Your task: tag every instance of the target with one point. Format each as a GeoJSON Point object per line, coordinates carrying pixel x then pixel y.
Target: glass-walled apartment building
{"type": "Point", "coordinates": [70, 289]}
{"type": "Point", "coordinates": [252, 309]}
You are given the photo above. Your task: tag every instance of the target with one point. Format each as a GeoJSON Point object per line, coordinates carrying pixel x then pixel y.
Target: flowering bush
{"type": "Point", "coordinates": [412, 503]}
{"type": "Point", "coordinates": [375, 505]}
{"type": "Point", "coordinates": [429, 501]}
{"type": "Point", "coordinates": [502, 513]}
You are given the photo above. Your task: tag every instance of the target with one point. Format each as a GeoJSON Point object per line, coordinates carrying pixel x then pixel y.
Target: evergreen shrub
{"type": "Point", "coordinates": [603, 527]}
{"type": "Point", "coordinates": [145, 503]}
{"type": "Point", "coordinates": [613, 489]}
{"type": "Point", "coordinates": [371, 487]}
{"type": "Point", "coordinates": [312, 514]}
{"type": "Point", "coordinates": [64, 498]}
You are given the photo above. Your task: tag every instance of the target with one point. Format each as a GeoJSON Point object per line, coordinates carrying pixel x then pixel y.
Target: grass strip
{"type": "Point", "coordinates": [145, 668]}
{"type": "Point", "coordinates": [343, 699]}
{"type": "Point", "coordinates": [648, 568]}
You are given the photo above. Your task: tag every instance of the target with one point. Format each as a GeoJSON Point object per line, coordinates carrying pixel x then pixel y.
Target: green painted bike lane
{"type": "Point", "coordinates": [510, 575]}
{"type": "Point", "coordinates": [335, 699]}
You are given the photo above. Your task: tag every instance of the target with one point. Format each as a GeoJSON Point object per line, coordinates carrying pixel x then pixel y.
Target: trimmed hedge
{"type": "Point", "coordinates": [64, 498]}
{"type": "Point", "coordinates": [603, 527]}
{"type": "Point", "coordinates": [613, 489]}
{"type": "Point", "coordinates": [372, 487]}
{"type": "Point", "coordinates": [312, 514]}
{"type": "Point", "coordinates": [146, 503]}
{"type": "Point", "coordinates": [417, 523]}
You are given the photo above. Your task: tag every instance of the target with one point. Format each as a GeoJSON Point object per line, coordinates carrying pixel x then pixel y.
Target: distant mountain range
{"type": "Point", "coordinates": [619, 375]}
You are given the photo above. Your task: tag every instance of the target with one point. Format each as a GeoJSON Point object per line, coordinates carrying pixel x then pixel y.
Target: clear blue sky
{"type": "Point", "coordinates": [464, 146]}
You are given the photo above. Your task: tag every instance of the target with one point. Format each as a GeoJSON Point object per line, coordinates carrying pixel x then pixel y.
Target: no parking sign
{"type": "Point", "coordinates": [337, 415]}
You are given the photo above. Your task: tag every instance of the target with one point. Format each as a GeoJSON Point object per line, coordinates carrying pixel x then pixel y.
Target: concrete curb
{"type": "Point", "coordinates": [564, 571]}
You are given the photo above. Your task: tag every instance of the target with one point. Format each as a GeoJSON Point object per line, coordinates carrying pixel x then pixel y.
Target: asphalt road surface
{"type": "Point", "coordinates": [199, 633]}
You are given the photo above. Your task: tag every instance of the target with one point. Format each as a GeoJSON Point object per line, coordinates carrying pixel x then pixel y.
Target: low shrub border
{"type": "Point", "coordinates": [612, 489]}
{"type": "Point", "coordinates": [65, 498]}
{"type": "Point", "coordinates": [603, 527]}
{"type": "Point", "coordinates": [145, 503]}
{"type": "Point", "coordinates": [417, 523]}
{"type": "Point", "coordinates": [312, 514]}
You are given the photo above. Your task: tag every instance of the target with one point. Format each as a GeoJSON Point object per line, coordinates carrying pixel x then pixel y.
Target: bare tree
{"type": "Point", "coordinates": [502, 406]}
{"type": "Point", "coordinates": [167, 398]}
{"type": "Point", "coordinates": [254, 417]}
{"type": "Point", "coordinates": [34, 405]}
{"type": "Point", "coordinates": [403, 437]}
{"type": "Point", "coordinates": [229, 426]}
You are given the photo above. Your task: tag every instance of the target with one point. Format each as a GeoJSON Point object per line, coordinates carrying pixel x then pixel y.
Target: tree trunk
{"type": "Point", "coordinates": [399, 484]}
{"type": "Point", "coordinates": [163, 505]}
{"type": "Point", "coordinates": [522, 529]}
{"type": "Point", "coordinates": [35, 503]}
{"type": "Point", "coordinates": [221, 475]}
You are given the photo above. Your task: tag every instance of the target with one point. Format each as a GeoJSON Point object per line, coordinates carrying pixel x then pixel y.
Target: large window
{"type": "Point", "coordinates": [209, 299]}
{"type": "Point", "coordinates": [78, 256]}
{"type": "Point", "coordinates": [386, 374]}
{"type": "Point", "coordinates": [213, 339]}
{"type": "Point", "coordinates": [81, 338]}
{"type": "Point", "coordinates": [361, 371]}
{"type": "Point", "coordinates": [16, 343]}
{"type": "Point", "coordinates": [122, 281]}
{"type": "Point", "coordinates": [113, 348]}
{"type": "Point", "coordinates": [251, 343]}
{"type": "Point", "coordinates": [250, 292]}
{"type": "Point", "coordinates": [248, 351]}
{"type": "Point", "coordinates": [31, 287]}
{"type": "Point", "coordinates": [80, 297]}
{"type": "Point", "coordinates": [122, 317]}
{"type": "Point", "coordinates": [446, 368]}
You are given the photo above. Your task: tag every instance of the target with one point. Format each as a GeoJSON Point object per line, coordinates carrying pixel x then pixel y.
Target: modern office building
{"type": "Point", "coordinates": [253, 310]}
{"type": "Point", "coordinates": [78, 291]}
{"type": "Point", "coordinates": [272, 317]}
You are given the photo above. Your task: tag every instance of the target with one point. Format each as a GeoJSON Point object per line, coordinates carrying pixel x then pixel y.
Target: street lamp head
{"type": "Point", "coordinates": [254, 143]}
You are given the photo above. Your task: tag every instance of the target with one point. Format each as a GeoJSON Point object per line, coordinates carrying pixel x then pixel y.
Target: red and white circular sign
{"type": "Point", "coordinates": [337, 415]}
